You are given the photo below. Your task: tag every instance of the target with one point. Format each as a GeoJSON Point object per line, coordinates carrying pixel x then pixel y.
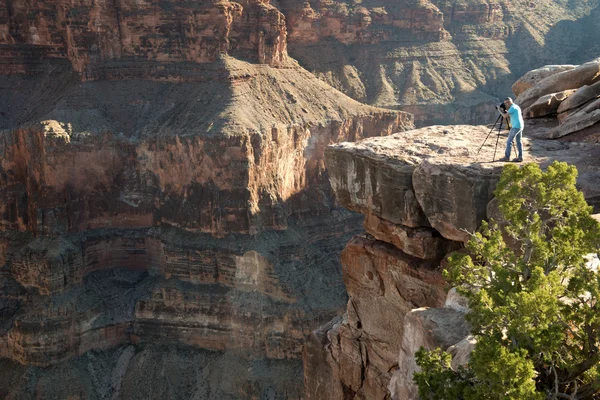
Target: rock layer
{"type": "Point", "coordinates": [573, 111]}
{"type": "Point", "coordinates": [163, 183]}
{"type": "Point", "coordinates": [163, 32]}
{"type": "Point", "coordinates": [422, 192]}
{"type": "Point", "coordinates": [444, 61]}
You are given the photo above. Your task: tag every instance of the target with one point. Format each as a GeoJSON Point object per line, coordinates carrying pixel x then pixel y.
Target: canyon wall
{"type": "Point", "coordinates": [164, 200]}
{"type": "Point", "coordinates": [422, 192]}
{"type": "Point", "coordinates": [445, 61]}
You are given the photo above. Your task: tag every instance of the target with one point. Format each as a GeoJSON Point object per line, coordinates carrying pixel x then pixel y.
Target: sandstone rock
{"type": "Point", "coordinates": [425, 243]}
{"type": "Point", "coordinates": [176, 172]}
{"type": "Point", "coordinates": [431, 58]}
{"type": "Point", "coordinates": [358, 355]}
{"type": "Point", "coordinates": [445, 192]}
{"type": "Point", "coordinates": [547, 105]}
{"type": "Point", "coordinates": [451, 182]}
{"type": "Point", "coordinates": [587, 116]}
{"type": "Point", "coordinates": [533, 77]}
{"type": "Point", "coordinates": [159, 33]}
{"type": "Point", "coordinates": [111, 288]}
{"type": "Point", "coordinates": [583, 95]}
{"type": "Point", "coordinates": [363, 184]}
{"type": "Point", "coordinates": [456, 302]}
{"type": "Point", "coordinates": [371, 270]}
{"type": "Point", "coordinates": [91, 189]}
{"type": "Point", "coordinates": [429, 328]}
{"type": "Point", "coordinates": [461, 351]}
{"type": "Point", "coordinates": [585, 74]}
{"type": "Point", "coordinates": [320, 368]}
{"type": "Point", "coordinates": [161, 167]}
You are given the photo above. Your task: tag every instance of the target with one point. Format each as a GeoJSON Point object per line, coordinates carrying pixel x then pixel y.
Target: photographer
{"type": "Point", "coordinates": [508, 108]}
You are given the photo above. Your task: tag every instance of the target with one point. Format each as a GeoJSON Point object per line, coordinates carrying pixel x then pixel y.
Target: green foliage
{"type": "Point", "coordinates": [438, 381]}
{"type": "Point", "coordinates": [533, 298]}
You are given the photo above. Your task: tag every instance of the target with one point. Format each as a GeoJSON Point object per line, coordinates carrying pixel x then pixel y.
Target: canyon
{"type": "Point", "coordinates": [423, 193]}
{"type": "Point", "coordinates": [421, 189]}
{"type": "Point", "coordinates": [165, 212]}
{"type": "Point", "coordinates": [172, 218]}
{"type": "Point", "coordinates": [445, 61]}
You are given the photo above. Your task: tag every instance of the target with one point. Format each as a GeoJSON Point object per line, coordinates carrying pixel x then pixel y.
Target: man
{"type": "Point", "coordinates": [516, 131]}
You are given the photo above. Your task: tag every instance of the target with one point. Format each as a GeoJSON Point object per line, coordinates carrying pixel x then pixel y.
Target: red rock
{"type": "Point", "coordinates": [163, 181]}
{"type": "Point", "coordinates": [357, 355]}
{"type": "Point", "coordinates": [155, 32]}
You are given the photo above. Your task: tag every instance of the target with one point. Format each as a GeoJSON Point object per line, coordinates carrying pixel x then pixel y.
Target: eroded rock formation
{"type": "Point", "coordinates": [427, 183]}
{"type": "Point", "coordinates": [563, 101]}
{"type": "Point", "coordinates": [445, 61]}
{"type": "Point", "coordinates": [162, 183]}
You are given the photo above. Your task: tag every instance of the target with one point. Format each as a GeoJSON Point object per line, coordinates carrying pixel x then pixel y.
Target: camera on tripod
{"type": "Point", "coordinates": [499, 122]}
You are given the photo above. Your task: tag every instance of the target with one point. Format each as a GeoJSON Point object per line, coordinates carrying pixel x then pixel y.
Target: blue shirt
{"type": "Point", "coordinates": [516, 118]}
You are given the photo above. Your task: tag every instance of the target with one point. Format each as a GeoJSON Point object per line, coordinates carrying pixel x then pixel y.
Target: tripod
{"type": "Point", "coordinates": [501, 121]}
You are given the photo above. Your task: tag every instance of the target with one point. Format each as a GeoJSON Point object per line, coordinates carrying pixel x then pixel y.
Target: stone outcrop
{"type": "Point", "coordinates": [586, 74]}
{"type": "Point", "coordinates": [533, 77]}
{"type": "Point", "coordinates": [433, 181]}
{"type": "Point", "coordinates": [254, 161]}
{"type": "Point", "coordinates": [444, 61]}
{"type": "Point", "coordinates": [163, 183]}
{"type": "Point", "coordinates": [568, 99]}
{"type": "Point", "coordinates": [433, 177]}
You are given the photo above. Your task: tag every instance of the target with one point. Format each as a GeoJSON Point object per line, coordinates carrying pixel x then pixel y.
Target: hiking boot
{"type": "Point", "coordinates": [503, 159]}
{"type": "Point", "coordinates": [518, 159]}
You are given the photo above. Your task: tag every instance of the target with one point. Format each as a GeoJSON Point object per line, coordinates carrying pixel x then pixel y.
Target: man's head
{"type": "Point", "coordinates": [508, 102]}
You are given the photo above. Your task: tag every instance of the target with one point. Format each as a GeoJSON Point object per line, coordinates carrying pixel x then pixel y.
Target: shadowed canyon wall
{"type": "Point", "coordinates": [167, 228]}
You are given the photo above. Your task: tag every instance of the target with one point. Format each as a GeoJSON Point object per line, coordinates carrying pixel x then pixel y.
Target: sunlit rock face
{"type": "Point", "coordinates": [447, 62]}
{"type": "Point", "coordinates": [163, 186]}
{"type": "Point", "coordinates": [422, 192]}
{"type": "Point", "coordinates": [562, 102]}
{"type": "Point", "coordinates": [100, 39]}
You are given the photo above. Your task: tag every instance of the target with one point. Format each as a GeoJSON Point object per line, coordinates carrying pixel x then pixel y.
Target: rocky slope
{"type": "Point", "coordinates": [163, 188]}
{"type": "Point", "coordinates": [445, 61]}
{"type": "Point", "coordinates": [421, 191]}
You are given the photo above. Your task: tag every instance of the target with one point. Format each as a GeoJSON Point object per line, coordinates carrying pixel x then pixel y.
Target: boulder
{"type": "Point", "coordinates": [584, 118]}
{"type": "Point", "coordinates": [461, 351]}
{"type": "Point", "coordinates": [547, 105]}
{"type": "Point", "coordinates": [585, 74]}
{"type": "Point", "coordinates": [583, 95]}
{"type": "Point", "coordinates": [533, 77]}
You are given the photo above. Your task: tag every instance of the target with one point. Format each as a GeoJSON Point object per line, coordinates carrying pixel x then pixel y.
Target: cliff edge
{"type": "Point", "coordinates": [422, 192]}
